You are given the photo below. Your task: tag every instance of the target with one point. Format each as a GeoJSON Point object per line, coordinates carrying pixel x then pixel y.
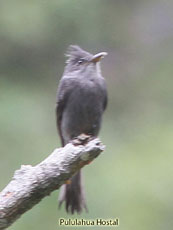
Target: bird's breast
{"type": "Point", "coordinates": [83, 111]}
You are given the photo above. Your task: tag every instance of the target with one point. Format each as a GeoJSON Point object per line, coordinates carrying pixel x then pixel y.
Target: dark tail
{"type": "Point", "coordinates": [73, 195]}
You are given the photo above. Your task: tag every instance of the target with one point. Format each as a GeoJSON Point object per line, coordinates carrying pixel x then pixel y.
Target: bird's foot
{"type": "Point", "coordinates": [82, 139]}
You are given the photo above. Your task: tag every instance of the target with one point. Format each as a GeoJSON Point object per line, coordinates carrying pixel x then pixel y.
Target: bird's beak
{"type": "Point", "coordinates": [98, 57]}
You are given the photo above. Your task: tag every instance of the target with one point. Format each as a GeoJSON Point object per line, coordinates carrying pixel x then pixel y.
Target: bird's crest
{"type": "Point", "coordinates": [75, 52]}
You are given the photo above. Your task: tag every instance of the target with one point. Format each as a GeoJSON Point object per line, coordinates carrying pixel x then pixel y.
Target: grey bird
{"type": "Point", "coordinates": [81, 101]}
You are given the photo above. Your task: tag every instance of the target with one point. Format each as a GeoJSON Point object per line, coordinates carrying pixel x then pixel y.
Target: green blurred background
{"type": "Point", "coordinates": [132, 180]}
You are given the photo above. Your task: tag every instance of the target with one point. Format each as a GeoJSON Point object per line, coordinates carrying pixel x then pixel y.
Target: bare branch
{"type": "Point", "coordinates": [30, 184]}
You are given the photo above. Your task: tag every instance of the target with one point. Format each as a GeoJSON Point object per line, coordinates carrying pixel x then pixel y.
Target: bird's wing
{"type": "Point", "coordinates": [104, 93]}
{"type": "Point", "coordinates": [105, 101]}
{"type": "Point", "coordinates": [64, 91]}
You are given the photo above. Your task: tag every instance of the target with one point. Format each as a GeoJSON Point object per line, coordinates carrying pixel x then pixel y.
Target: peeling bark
{"type": "Point", "coordinates": [30, 184]}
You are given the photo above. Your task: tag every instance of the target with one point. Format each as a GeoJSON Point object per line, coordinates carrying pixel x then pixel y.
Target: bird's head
{"type": "Point", "coordinates": [81, 61]}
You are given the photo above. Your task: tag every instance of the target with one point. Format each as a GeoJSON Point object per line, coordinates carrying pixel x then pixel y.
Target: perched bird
{"type": "Point", "coordinates": [81, 101]}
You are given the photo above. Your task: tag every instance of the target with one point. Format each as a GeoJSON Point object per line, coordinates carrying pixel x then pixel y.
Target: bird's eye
{"type": "Point", "coordinates": [80, 61]}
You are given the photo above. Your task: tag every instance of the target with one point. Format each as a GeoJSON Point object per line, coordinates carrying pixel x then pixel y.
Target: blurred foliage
{"type": "Point", "coordinates": [133, 178]}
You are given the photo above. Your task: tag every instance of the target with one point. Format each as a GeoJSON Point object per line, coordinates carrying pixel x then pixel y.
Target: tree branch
{"type": "Point", "coordinates": [30, 184]}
